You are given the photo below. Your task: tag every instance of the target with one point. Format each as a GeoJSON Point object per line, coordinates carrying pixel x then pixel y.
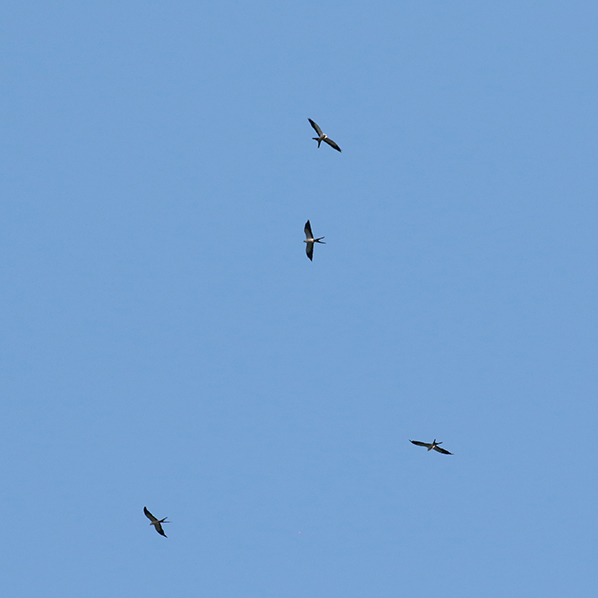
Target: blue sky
{"type": "Point", "coordinates": [166, 342]}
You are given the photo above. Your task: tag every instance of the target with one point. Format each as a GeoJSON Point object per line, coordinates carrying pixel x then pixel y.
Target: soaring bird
{"type": "Point", "coordinates": [309, 240]}
{"type": "Point", "coordinates": [157, 523]}
{"type": "Point", "coordinates": [434, 446]}
{"type": "Point", "coordinates": [323, 137]}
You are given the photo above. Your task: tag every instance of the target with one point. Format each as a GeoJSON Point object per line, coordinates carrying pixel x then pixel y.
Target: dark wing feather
{"type": "Point", "coordinates": [315, 126]}
{"type": "Point", "coordinates": [159, 529]}
{"type": "Point", "coordinates": [332, 144]}
{"type": "Point", "coordinates": [309, 249]}
{"type": "Point", "coordinates": [418, 443]}
{"type": "Point", "coordinates": [307, 231]}
{"type": "Point", "coordinates": [149, 515]}
{"type": "Point", "coordinates": [441, 450]}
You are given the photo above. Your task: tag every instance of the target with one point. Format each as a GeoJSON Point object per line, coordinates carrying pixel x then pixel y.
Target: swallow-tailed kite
{"type": "Point", "coordinates": [322, 137]}
{"type": "Point", "coordinates": [309, 240]}
{"type": "Point", "coordinates": [429, 446]}
{"type": "Point", "coordinates": [157, 523]}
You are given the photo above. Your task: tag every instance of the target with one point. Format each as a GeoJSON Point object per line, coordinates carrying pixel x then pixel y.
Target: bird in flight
{"type": "Point", "coordinates": [429, 446]}
{"type": "Point", "coordinates": [309, 240]}
{"type": "Point", "coordinates": [157, 523]}
{"type": "Point", "coordinates": [323, 137]}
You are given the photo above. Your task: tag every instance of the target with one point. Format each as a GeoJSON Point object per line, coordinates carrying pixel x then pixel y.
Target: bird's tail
{"type": "Point", "coordinates": [320, 240]}
{"type": "Point", "coordinates": [318, 140]}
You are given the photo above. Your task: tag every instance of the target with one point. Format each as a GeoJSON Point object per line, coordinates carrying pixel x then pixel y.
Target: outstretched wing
{"type": "Point", "coordinates": [307, 231]}
{"type": "Point", "coordinates": [149, 515]}
{"type": "Point", "coordinates": [418, 443]}
{"type": "Point", "coordinates": [441, 450]}
{"type": "Point", "coordinates": [332, 144]}
{"type": "Point", "coordinates": [309, 249]}
{"type": "Point", "coordinates": [159, 529]}
{"type": "Point", "coordinates": [315, 126]}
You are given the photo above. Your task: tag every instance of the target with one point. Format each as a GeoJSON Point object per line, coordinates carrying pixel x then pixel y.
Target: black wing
{"type": "Point", "coordinates": [332, 144]}
{"type": "Point", "coordinates": [418, 443]}
{"type": "Point", "coordinates": [309, 249]}
{"type": "Point", "coordinates": [315, 126]}
{"type": "Point", "coordinates": [149, 515]}
{"type": "Point", "coordinates": [307, 231]}
{"type": "Point", "coordinates": [159, 529]}
{"type": "Point", "coordinates": [441, 450]}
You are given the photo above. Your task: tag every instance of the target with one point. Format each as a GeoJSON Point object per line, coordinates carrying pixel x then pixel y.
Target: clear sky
{"type": "Point", "coordinates": [165, 342]}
